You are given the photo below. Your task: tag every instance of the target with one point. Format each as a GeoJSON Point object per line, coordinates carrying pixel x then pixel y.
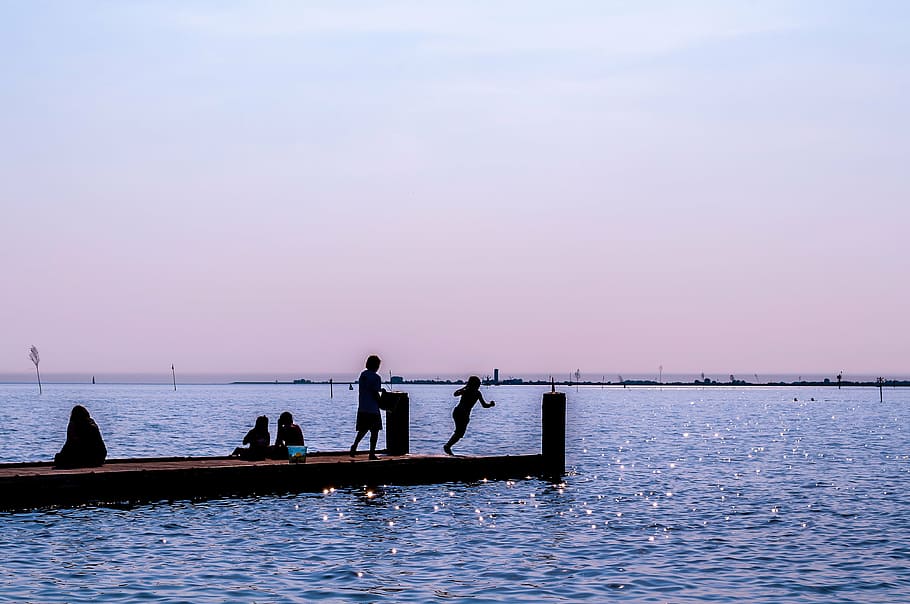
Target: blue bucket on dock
{"type": "Point", "coordinates": [296, 454]}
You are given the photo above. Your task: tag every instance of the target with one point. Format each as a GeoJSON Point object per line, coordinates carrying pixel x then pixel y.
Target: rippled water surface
{"type": "Point", "coordinates": [674, 495]}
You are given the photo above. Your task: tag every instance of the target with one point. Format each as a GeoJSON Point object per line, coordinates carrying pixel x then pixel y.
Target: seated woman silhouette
{"type": "Point", "coordinates": [84, 447]}
{"type": "Point", "coordinates": [258, 441]}
{"type": "Point", "coordinates": [288, 434]}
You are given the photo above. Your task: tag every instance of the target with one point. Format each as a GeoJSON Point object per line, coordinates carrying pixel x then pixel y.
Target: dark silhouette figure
{"type": "Point", "coordinates": [84, 447]}
{"type": "Point", "coordinates": [368, 417]}
{"type": "Point", "coordinates": [469, 394]}
{"type": "Point", "coordinates": [288, 433]}
{"type": "Point", "coordinates": [258, 440]}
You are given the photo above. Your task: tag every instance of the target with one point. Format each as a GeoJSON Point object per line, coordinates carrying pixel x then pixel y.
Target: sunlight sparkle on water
{"type": "Point", "coordinates": [748, 534]}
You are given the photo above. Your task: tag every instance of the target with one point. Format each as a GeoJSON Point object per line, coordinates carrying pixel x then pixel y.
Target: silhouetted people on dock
{"type": "Point", "coordinates": [287, 434]}
{"type": "Point", "coordinates": [368, 417]}
{"type": "Point", "coordinates": [84, 447]}
{"type": "Point", "coordinates": [469, 394]}
{"type": "Point", "coordinates": [257, 440]}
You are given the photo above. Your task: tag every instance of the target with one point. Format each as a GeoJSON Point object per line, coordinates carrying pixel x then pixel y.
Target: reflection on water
{"type": "Point", "coordinates": [679, 495]}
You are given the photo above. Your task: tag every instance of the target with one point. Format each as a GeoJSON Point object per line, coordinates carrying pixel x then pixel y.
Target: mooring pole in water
{"type": "Point", "coordinates": [881, 382]}
{"type": "Point", "coordinates": [331, 392]}
{"type": "Point", "coordinates": [397, 435]}
{"type": "Point", "coordinates": [553, 433]}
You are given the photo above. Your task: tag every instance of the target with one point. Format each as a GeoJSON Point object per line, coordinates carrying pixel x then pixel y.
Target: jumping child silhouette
{"type": "Point", "coordinates": [469, 394]}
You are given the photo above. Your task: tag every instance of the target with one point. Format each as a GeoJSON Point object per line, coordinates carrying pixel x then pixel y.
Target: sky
{"type": "Point", "coordinates": [286, 187]}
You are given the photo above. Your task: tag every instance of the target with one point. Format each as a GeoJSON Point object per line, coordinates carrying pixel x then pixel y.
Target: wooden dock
{"type": "Point", "coordinates": [126, 481]}
{"type": "Point", "coordinates": [32, 485]}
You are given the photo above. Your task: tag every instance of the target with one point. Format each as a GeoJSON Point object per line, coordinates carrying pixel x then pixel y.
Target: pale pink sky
{"type": "Point", "coordinates": [287, 187]}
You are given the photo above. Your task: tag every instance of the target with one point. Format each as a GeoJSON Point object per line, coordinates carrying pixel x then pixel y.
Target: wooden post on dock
{"type": "Point", "coordinates": [397, 435]}
{"type": "Point", "coordinates": [553, 433]}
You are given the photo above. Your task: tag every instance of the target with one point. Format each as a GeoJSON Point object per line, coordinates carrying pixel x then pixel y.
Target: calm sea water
{"type": "Point", "coordinates": [674, 495]}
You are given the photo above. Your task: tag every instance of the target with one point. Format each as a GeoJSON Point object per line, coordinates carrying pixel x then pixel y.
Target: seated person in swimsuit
{"type": "Point", "coordinates": [258, 441]}
{"type": "Point", "coordinates": [288, 434]}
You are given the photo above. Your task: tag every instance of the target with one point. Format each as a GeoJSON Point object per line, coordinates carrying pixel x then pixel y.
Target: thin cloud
{"type": "Point", "coordinates": [503, 27]}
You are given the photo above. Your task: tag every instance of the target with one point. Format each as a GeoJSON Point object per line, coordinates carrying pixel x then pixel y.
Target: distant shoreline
{"type": "Point", "coordinates": [568, 384]}
{"type": "Point", "coordinates": [531, 378]}
{"type": "Point", "coordinates": [707, 383]}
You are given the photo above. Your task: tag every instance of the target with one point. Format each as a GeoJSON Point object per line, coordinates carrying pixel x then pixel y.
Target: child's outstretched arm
{"type": "Point", "coordinates": [485, 403]}
{"type": "Point", "coordinates": [458, 392]}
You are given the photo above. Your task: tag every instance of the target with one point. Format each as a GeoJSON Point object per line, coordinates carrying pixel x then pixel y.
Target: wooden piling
{"type": "Point", "coordinates": [397, 418]}
{"type": "Point", "coordinates": [553, 433]}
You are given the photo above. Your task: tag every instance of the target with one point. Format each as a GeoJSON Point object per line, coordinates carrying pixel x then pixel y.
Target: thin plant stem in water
{"type": "Point", "coordinates": [35, 358]}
